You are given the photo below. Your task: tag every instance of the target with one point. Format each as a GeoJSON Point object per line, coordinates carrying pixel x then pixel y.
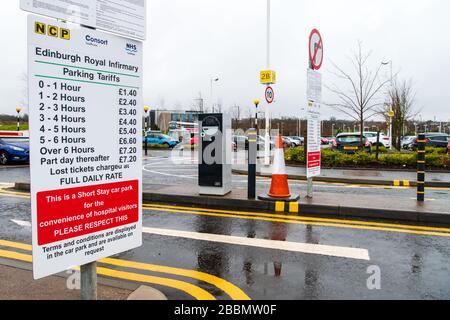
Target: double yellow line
{"type": "Point", "coordinates": [284, 218]}
{"type": "Point", "coordinates": [198, 293]}
{"type": "Point", "coordinates": [295, 219]}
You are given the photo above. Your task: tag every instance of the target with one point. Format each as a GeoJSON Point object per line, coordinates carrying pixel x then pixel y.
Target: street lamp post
{"type": "Point", "coordinates": [252, 155]}
{"type": "Point", "coordinates": [18, 110]}
{"type": "Point", "coordinates": [391, 115]}
{"type": "Point", "coordinates": [256, 103]}
{"type": "Point", "coordinates": [145, 130]}
{"type": "Point", "coordinates": [267, 115]}
{"type": "Point", "coordinates": [211, 93]}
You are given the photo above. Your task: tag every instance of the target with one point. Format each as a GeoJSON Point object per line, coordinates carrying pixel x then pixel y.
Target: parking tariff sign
{"type": "Point", "coordinates": [313, 161]}
{"type": "Point", "coordinates": [85, 98]}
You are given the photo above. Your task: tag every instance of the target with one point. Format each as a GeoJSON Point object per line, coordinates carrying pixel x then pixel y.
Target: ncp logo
{"type": "Point", "coordinates": [51, 31]}
{"type": "Point", "coordinates": [131, 48]}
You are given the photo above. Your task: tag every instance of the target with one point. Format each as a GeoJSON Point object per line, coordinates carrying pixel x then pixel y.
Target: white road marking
{"type": "Point", "coordinates": [168, 174]}
{"type": "Point", "coordinates": [335, 251]}
{"type": "Point", "coordinates": [6, 185]}
{"type": "Point", "coordinates": [22, 223]}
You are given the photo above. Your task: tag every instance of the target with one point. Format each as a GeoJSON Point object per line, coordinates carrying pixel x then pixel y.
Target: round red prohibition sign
{"type": "Point", "coordinates": [315, 49]}
{"type": "Point", "coordinates": [269, 95]}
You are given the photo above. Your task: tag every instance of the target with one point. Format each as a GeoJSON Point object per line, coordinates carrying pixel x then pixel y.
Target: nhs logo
{"type": "Point", "coordinates": [131, 48]}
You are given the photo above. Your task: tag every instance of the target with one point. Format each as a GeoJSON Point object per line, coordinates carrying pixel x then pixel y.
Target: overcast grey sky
{"type": "Point", "coordinates": [190, 41]}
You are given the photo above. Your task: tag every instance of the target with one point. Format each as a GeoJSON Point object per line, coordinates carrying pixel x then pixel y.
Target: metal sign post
{"type": "Point", "coordinates": [314, 96]}
{"type": "Point", "coordinates": [88, 279]}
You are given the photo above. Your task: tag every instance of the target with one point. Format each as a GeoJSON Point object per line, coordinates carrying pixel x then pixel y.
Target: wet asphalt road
{"type": "Point", "coordinates": [412, 265]}
{"type": "Point", "coordinates": [160, 169]}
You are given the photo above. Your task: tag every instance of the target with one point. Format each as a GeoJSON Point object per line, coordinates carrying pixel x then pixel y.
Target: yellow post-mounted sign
{"type": "Point", "coordinates": [268, 77]}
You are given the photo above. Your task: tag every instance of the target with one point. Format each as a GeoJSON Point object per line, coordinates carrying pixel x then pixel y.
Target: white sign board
{"type": "Point", "coordinates": [124, 17]}
{"type": "Point", "coordinates": [314, 144]}
{"type": "Point", "coordinates": [314, 86]}
{"type": "Point", "coordinates": [85, 101]}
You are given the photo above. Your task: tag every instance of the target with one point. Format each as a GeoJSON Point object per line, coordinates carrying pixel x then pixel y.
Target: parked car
{"type": "Point", "coordinates": [194, 140]}
{"type": "Point", "coordinates": [372, 137]}
{"type": "Point", "coordinates": [299, 141]}
{"type": "Point", "coordinates": [262, 143]}
{"type": "Point", "coordinates": [162, 139]}
{"type": "Point", "coordinates": [14, 149]}
{"type": "Point", "coordinates": [293, 142]}
{"type": "Point", "coordinates": [351, 143]}
{"type": "Point", "coordinates": [406, 142]}
{"type": "Point", "coordinates": [241, 142]}
{"type": "Point", "coordinates": [437, 140]}
{"type": "Point", "coordinates": [287, 143]}
{"type": "Point", "coordinates": [448, 147]}
{"type": "Point", "coordinates": [324, 141]}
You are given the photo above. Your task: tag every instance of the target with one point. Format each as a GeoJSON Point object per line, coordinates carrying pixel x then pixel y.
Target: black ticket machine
{"type": "Point", "coordinates": [214, 159]}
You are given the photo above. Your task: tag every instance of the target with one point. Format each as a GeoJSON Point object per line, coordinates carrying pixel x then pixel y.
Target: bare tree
{"type": "Point", "coordinates": [361, 97]}
{"type": "Point", "coordinates": [236, 112]}
{"type": "Point", "coordinates": [400, 99]}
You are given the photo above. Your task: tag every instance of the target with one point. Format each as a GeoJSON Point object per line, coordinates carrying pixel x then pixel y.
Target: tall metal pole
{"type": "Point", "coordinates": [210, 96]}
{"type": "Point", "coordinates": [88, 279]}
{"type": "Point", "coordinates": [18, 109]}
{"type": "Point", "coordinates": [267, 136]}
{"type": "Point", "coordinates": [390, 133]}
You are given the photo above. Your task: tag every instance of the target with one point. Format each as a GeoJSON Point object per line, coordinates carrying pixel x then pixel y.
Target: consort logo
{"type": "Point", "coordinates": [93, 41]}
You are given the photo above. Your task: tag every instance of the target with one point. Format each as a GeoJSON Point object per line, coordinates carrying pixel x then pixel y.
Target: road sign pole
{"type": "Point", "coordinates": [267, 136]}
{"type": "Point", "coordinates": [88, 279]}
{"type": "Point", "coordinates": [310, 188]}
{"type": "Point", "coordinates": [314, 97]}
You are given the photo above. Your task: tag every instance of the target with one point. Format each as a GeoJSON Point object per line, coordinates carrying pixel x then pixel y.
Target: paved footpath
{"type": "Point", "coordinates": [371, 175]}
{"type": "Point", "coordinates": [18, 284]}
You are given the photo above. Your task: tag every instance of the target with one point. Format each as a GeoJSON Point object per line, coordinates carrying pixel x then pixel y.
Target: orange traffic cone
{"type": "Point", "coordinates": [279, 187]}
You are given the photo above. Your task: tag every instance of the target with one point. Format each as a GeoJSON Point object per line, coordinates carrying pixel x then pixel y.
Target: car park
{"type": "Point", "coordinates": [262, 143]}
{"type": "Point", "coordinates": [161, 139]}
{"type": "Point", "coordinates": [437, 140]}
{"type": "Point", "coordinates": [351, 143]}
{"type": "Point", "coordinates": [324, 141]}
{"type": "Point", "coordinates": [407, 141]}
{"type": "Point", "coordinates": [194, 140]}
{"type": "Point", "coordinates": [384, 140]}
{"type": "Point", "coordinates": [241, 142]}
{"type": "Point", "coordinates": [287, 143]}
{"type": "Point", "coordinates": [293, 142]}
{"type": "Point", "coordinates": [14, 149]}
{"type": "Point", "coordinates": [299, 141]}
